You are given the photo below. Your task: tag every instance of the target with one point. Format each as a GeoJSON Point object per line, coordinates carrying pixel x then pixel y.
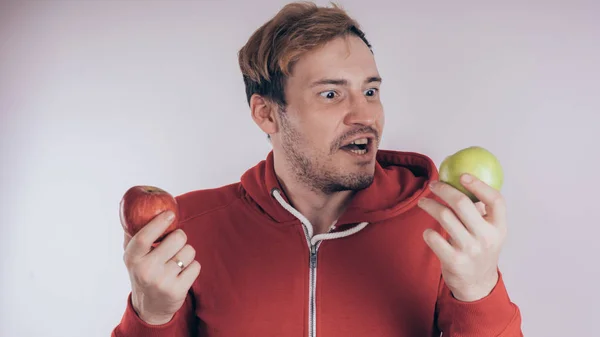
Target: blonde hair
{"type": "Point", "coordinates": [268, 57]}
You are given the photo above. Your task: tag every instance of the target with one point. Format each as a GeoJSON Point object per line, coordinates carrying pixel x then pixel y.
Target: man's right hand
{"type": "Point", "coordinates": [159, 286]}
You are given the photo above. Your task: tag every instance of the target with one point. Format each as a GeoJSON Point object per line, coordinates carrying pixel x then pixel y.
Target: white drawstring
{"type": "Point", "coordinates": [338, 235]}
{"type": "Point", "coordinates": [309, 228]}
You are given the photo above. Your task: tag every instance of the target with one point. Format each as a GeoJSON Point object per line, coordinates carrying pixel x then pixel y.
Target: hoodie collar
{"type": "Point", "coordinates": [401, 178]}
{"type": "Point", "coordinates": [259, 182]}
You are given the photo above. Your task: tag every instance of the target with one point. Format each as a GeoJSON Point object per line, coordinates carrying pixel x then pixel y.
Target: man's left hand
{"type": "Point", "coordinates": [469, 259]}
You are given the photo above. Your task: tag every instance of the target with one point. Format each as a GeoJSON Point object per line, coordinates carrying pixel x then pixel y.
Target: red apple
{"type": "Point", "coordinates": [141, 204]}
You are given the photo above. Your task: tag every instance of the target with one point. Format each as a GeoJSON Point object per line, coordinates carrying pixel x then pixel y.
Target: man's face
{"type": "Point", "coordinates": [333, 100]}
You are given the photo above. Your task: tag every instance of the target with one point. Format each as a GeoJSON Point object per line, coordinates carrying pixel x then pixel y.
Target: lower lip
{"type": "Point", "coordinates": [356, 154]}
{"type": "Point", "coordinates": [367, 155]}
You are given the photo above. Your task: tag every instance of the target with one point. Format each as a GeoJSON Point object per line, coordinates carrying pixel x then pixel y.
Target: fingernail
{"type": "Point", "coordinates": [467, 178]}
{"type": "Point", "coordinates": [426, 233]}
{"type": "Point", "coordinates": [421, 201]}
{"type": "Point", "coordinates": [432, 184]}
{"type": "Point", "coordinates": [170, 215]}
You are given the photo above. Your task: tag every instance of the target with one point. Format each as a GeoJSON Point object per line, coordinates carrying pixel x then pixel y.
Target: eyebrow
{"type": "Point", "coordinates": [342, 82]}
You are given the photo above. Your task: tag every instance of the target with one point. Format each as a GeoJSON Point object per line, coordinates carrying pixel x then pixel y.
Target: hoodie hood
{"type": "Point", "coordinates": [401, 178]}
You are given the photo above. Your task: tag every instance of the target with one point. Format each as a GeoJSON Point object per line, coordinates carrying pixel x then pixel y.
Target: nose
{"type": "Point", "coordinates": [363, 112]}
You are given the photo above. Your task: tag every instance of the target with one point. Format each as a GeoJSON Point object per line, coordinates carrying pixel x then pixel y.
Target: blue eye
{"type": "Point", "coordinates": [371, 92]}
{"type": "Point", "coordinates": [328, 94]}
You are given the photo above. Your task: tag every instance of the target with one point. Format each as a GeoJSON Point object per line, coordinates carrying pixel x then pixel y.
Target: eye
{"type": "Point", "coordinates": [329, 94]}
{"type": "Point", "coordinates": [371, 92]}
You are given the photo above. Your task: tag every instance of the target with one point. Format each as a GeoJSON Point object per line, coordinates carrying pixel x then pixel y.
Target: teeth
{"type": "Point", "coordinates": [359, 151]}
{"type": "Point", "coordinates": [361, 141]}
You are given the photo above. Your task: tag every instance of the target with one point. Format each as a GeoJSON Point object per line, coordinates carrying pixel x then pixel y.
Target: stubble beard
{"type": "Point", "coordinates": [312, 172]}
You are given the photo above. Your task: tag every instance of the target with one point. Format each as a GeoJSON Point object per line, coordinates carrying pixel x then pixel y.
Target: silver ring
{"type": "Point", "coordinates": [179, 263]}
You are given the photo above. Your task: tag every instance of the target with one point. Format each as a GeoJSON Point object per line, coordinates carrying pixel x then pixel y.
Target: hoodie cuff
{"type": "Point", "coordinates": [133, 326]}
{"type": "Point", "coordinates": [489, 316]}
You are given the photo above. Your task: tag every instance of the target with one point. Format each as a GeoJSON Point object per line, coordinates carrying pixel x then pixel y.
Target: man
{"type": "Point", "coordinates": [329, 236]}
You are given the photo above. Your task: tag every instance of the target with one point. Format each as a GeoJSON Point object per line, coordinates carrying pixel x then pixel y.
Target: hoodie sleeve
{"type": "Point", "coordinates": [492, 316]}
{"type": "Point", "coordinates": [183, 324]}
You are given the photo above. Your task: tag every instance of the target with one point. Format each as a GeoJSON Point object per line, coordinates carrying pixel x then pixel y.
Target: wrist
{"type": "Point", "coordinates": [155, 320]}
{"type": "Point", "coordinates": [476, 292]}
{"type": "Point", "coordinates": [149, 318]}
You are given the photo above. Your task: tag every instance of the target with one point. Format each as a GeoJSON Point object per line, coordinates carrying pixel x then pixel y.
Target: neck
{"type": "Point", "coordinates": [319, 208]}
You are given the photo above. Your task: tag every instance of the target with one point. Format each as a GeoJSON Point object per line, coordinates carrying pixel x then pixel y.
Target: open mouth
{"type": "Point", "coordinates": [358, 147]}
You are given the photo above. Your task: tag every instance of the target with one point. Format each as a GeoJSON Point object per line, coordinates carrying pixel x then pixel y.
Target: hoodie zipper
{"type": "Point", "coordinates": [312, 260]}
{"type": "Point", "coordinates": [313, 291]}
{"type": "Point", "coordinates": [312, 284]}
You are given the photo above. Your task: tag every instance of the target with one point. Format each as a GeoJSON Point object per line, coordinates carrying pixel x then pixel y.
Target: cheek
{"type": "Point", "coordinates": [317, 126]}
{"type": "Point", "coordinates": [317, 139]}
{"type": "Point", "coordinates": [380, 119]}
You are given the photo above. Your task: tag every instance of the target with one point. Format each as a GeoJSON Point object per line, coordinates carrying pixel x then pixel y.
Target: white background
{"type": "Point", "coordinates": [97, 96]}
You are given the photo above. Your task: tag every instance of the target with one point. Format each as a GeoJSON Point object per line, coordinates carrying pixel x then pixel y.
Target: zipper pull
{"type": "Point", "coordinates": [313, 257]}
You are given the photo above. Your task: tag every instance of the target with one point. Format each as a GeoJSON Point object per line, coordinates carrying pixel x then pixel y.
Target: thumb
{"type": "Point", "coordinates": [126, 239]}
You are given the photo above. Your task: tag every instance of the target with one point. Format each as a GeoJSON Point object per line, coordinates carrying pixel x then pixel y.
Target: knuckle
{"type": "Point", "coordinates": [443, 187]}
{"type": "Point", "coordinates": [130, 260]}
{"type": "Point", "coordinates": [190, 250]}
{"type": "Point", "coordinates": [473, 249]}
{"type": "Point", "coordinates": [127, 260]}
{"type": "Point", "coordinates": [195, 266]}
{"type": "Point", "coordinates": [446, 215]}
{"type": "Point", "coordinates": [180, 236]}
{"type": "Point", "coordinates": [177, 238]}
{"type": "Point", "coordinates": [498, 202]}
{"type": "Point", "coordinates": [489, 239]}
{"type": "Point", "coordinates": [140, 240]}
{"type": "Point", "coordinates": [462, 202]}
{"type": "Point", "coordinates": [459, 259]}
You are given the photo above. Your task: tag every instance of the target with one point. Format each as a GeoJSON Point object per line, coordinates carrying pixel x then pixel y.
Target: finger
{"type": "Point", "coordinates": [492, 198]}
{"type": "Point", "coordinates": [186, 255]}
{"type": "Point", "coordinates": [481, 208]}
{"type": "Point", "coordinates": [448, 221]}
{"type": "Point", "coordinates": [464, 208]}
{"type": "Point", "coordinates": [440, 247]}
{"type": "Point", "coordinates": [141, 242]}
{"type": "Point", "coordinates": [126, 240]}
{"type": "Point", "coordinates": [170, 245]}
{"type": "Point", "coordinates": [189, 275]}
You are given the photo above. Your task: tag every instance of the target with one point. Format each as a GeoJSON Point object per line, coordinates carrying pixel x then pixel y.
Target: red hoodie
{"type": "Point", "coordinates": [265, 274]}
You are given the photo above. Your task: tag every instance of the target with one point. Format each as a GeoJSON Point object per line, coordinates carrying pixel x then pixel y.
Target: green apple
{"type": "Point", "coordinates": [476, 161]}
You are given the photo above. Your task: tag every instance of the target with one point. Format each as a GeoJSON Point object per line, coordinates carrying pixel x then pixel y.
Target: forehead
{"type": "Point", "coordinates": [345, 57]}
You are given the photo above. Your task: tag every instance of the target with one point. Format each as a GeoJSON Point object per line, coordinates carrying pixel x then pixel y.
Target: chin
{"type": "Point", "coordinates": [364, 182]}
{"type": "Point", "coordinates": [350, 182]}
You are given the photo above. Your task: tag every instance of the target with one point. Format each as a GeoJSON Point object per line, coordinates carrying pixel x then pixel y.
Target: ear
{"type": "Point", "coordinates": [263, 113]}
